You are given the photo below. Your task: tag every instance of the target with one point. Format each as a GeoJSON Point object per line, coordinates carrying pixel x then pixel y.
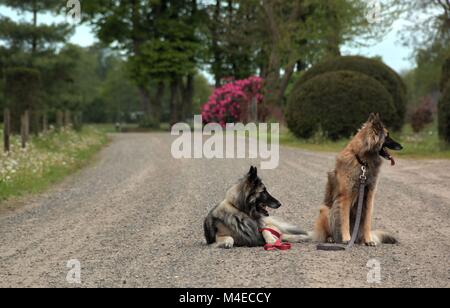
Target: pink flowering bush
{"type": "Point", "coordinates": [228, 102]}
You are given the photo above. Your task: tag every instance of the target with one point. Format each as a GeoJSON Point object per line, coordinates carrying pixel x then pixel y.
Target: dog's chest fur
{"type": "Point", "coordinates": [354, 173]}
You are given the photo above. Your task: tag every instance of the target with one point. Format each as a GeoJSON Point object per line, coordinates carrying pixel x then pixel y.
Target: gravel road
{"type": "Point", "coordinates": [134, 219]}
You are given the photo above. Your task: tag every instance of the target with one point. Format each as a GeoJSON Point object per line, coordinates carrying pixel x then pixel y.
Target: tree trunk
{"type": "Point", "coordinates": [174, 105]}
{"type": "Point", "coordinates": [67, 119]}
{"type": "Point", "coordinates": [217, 54]}
{"type": "Point", "coordinates": [6, 130]}
{"type": "Point", "coordinates": [276, 85]}
{"type": "Point", "coordinates": [59, 120]}
{"type": "Point", "coordinates": [77, 121]}
{"type": "Point", "coordinates": [136, 38]}
{"type": "Point", "coordinates": [145, 102]}
{"type": "Point", "coordinates": [157, 103]}
{"type": "Point", "coordinates": [272, 83]}
{"type": "Point", "coordinates": [35, 124]}
{"type": "Point", "coordinates": [25, 128]}
{"type": "Point", "coordinates": [288, 72]}
{"type": "Point", "coordinates": [34, 38]}
{"type": "Point", "coordinates": [333, 37]}
{"type": "Point", "coordinates": [274, 66]}
{"type": "Point", "coordinates": [253, 111]}
{"type": "Point", "coordinates": [188, 97]}
{"type": "Point", "coordinates": [45, 122]}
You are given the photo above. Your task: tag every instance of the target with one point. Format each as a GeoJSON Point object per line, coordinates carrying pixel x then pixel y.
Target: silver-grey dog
{"type": "Point", "coordinates": [238, 220]}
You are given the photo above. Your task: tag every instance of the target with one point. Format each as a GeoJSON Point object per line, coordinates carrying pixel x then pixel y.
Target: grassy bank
{"type": "Point", "coordinates": [425, 144]}
{"type": "Point", "coordinates": [46, 160]}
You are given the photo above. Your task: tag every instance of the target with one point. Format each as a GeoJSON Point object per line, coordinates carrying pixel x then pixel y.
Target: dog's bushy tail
{"type": "Point", "coordinates": [382, 237]}
{"type": "Point", "coordinates": [210, 230]}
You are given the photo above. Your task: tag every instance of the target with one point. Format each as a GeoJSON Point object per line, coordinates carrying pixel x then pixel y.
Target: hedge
{"type": "Point", "coordinates": [373, 68]}
{"type": "Point", "coordinates": [337, 104]}
{"type": "Point", "coordinates": [444, 114]}
{"type": "Point", "coordinates": [445, 79]}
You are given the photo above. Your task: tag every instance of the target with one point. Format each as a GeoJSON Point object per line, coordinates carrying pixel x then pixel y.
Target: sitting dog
{"type": "Point", "coordinates": [242, 219]}
{"type": "Point", "coordinates": [337, 215]}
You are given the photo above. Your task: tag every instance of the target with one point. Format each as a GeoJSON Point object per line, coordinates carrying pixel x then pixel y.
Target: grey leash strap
{"type": "Point", "coordinates": [362, 190]}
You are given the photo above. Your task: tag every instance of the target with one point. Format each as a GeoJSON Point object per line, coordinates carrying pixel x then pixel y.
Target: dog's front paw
{"type": "Point", "coordinates": [226, 244]}
{"type": "Point", "coordinates": [371, 244]}
{"type": "Point", "coordinates": [346, 239]}
{"type": "Point", "coordinates": [330, 240]}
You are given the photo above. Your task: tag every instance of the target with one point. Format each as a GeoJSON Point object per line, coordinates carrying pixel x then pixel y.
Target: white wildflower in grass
{"type": "Point", "coordinates": [43, 153]}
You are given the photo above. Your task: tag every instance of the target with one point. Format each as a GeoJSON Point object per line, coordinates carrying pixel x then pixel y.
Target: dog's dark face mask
{"type": "Point", "coordinates": [258, 198]}
{"type": "Point", "coordinates": [387, 142]}
{"type": "Point", "coordinates": [390, 144]}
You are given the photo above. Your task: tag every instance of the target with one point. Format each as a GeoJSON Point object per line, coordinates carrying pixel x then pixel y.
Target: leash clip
{"type": "Point", "coordinates": [363, 176]}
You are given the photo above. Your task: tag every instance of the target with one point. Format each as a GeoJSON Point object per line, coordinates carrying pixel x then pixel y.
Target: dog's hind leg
{"type": "Point", "coordinates": [295, 238]}
{"type": "Point", "coordinates": [322, 227]}
{"type": "Point", "coordinates": [282, 226]}
{"type": "Point", "coordinates": [269, 238]}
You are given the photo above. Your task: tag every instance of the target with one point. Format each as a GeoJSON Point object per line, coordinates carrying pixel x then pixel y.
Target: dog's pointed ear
{"type": "Point", "coordinates": [375, 118]}
{"type": "Point", "coordinates": [253, 173]}
{"type": "Point", "coordinates": [372, 117]}
{"type": "Point", "coordinates": [376, 123]}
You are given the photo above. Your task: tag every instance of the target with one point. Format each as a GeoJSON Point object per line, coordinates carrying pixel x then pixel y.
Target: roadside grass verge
{"type": "Point", "coordinates": [110, 128]}
{"type": "Point", "coordinates": [46, 160]}
{"type": "Point", "coordinates": [423, 145]}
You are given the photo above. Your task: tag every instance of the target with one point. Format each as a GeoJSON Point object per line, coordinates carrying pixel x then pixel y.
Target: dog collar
{"type": "Point", "coordinates": [361, 162]}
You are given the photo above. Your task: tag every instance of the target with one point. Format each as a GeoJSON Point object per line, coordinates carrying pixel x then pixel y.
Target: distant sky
{"type": "Point", "coordinates": [390, 49]}
{"type": "Point", "coordinates": [393, 53]}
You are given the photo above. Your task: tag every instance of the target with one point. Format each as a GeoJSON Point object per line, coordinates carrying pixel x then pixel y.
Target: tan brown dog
{"type": "Point", "coordinates": [338, 214]}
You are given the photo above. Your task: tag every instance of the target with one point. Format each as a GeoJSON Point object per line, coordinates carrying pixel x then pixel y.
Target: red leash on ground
{"type": "Point", "coordinates": [278, 243]}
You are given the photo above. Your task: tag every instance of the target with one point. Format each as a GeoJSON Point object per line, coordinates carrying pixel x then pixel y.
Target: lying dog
{"type": "Point", "coordinates": [240, 218]}
{"type": "Point", "coordinates": [337, 215]}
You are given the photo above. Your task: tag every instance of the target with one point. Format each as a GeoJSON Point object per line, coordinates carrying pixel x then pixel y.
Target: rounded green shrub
{"type": "Point", "coordinates": [445, 74]}
{"type": "Point", "coordinates": [444, 114]}
{"type": "Point", "coordinates": [373, 68]}
{"type": "Point", "coordinates": [337, 104]}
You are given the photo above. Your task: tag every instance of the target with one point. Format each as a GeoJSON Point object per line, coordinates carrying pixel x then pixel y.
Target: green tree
{"type": "Point", "coordinates": [428, 33]}
{"type": "Point", "coordinates": [231, 31]}
{"type": "Point", "coordinates": [30, 35]}
{"type": "Point", "coordinates": [118, 95]}
{"type": "Point", "coordinates": [425, 78]}
{"type": "Point", "coordinates": [22, 92]}
{"type": "Point", "coordinates": [203, 91]}
{"type": "Point", "coordinates": [445, 78]}
{"type": "Point", "coordinates": [428, 22]}
{"type": "Point", "coordinates": [280, 37]}
{"type": "Point", "coordinates": [171, 55]}
{"type": "Point", "coordinates": [27, 42]}
{"type": "Point", "coordinates": [123, 24]}
{"type": "Point", "coordinates": [160, 38]}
